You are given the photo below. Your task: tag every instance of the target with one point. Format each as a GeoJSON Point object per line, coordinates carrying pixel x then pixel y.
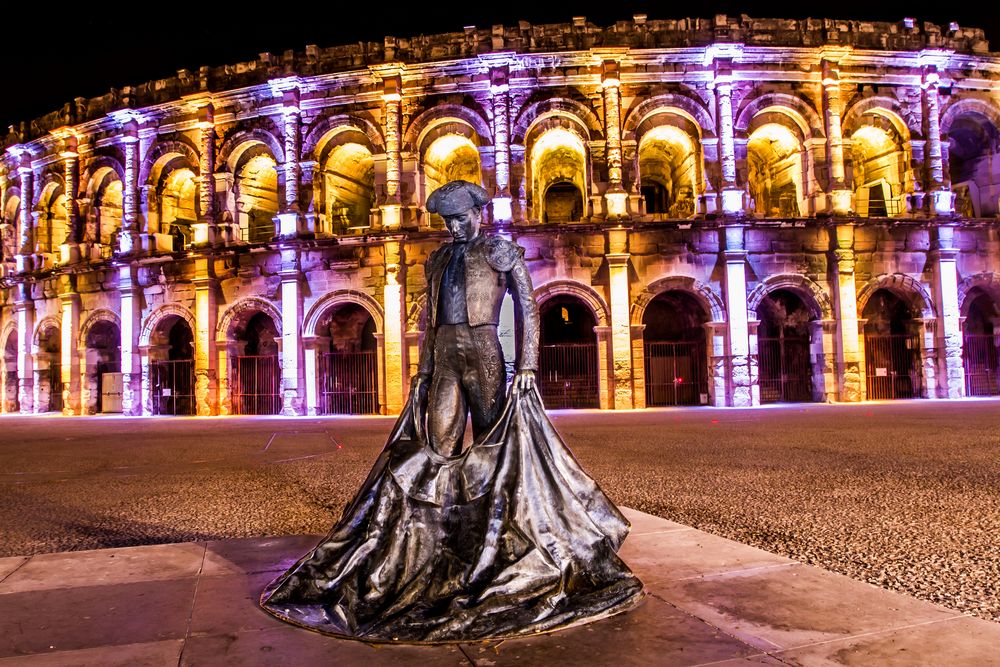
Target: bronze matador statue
{"type": "Point", "coordinates": [509, 537]}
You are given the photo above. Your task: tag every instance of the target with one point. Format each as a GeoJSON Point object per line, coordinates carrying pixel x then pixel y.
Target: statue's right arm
{"type": "Point", "coordinates": [425, 366]}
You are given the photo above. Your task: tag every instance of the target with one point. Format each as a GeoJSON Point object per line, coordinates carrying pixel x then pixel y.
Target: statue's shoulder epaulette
{"type": "Point", "coordinates": [435, 256]}
{"type": "Point", "coordinates": [502, 254]}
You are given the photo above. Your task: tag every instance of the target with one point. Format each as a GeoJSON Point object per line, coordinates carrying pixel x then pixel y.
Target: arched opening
{"type": "Point", "coordinates": [448, 158]}
{"type": "Point", "coordinates": [53, 224]}
{"type": "Point", "coordinates": [9, 242]}
{"type": "Point", "coordinates": [102, 378]}
{"type": "Point", "coordinates": [558, 168]}
{"type": "Point", "coordinates": [105, 216]}
{"type": "Point", "coordinates": [10, 379]}
{"type": "Point", "coordinates": [974, 162]}
{"type": "Point", "coordinates": [348, 363]}
{"type": "Point", "coordinates": [785, 369]}
{"type": "Point", "coordinates": [774, 164]}
{"type": "Point", "coordinates": [256, 371]}
{"type": "Point", "coordinates": [257, 195]}
{"type": "Point", "coordinates": [349, 187]}
{"type": "Point", "coordinates": [567, 360]}
{"type": "Point", "coordinates": [879, 166]}
{"type": "Point", "coordinates": [171, 367]}
{"type": "Point", "coordinates": [178, 206]}
{"type": "Point", "coordinates": [892, 348]}
{"type": "Point", "coordinates": [980, 344]}
{"type": "Point", "coordinates": [48, 371]}
{"type": "Point", "coordinates": [667, 163]}
{"type": "Point", "coordinates": [676, 358]}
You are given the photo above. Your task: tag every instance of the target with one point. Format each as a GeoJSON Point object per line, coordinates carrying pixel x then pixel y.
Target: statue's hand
{"type": "Point", "coordinates": [524, 380]}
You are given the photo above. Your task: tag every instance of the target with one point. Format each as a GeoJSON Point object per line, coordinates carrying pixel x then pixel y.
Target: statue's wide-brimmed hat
{"type": "Point", "coordinates": [457, 197]}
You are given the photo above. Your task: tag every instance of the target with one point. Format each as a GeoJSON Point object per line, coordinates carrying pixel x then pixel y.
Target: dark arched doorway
{"type": "Point", "coordinates": [785, 371]}
{"type": "Point", "coordinates": [256, 371]}
{"type": "Point", "coordinates": [10, 378]}
{"type": "Point", "coordinates": [980, 341]}
{"type": "Point", "coordinates": [48, 371]}
{"type": "Point", "coordinates": [675, 350]}
{"type": "Point", "coordinates": [348, 367]}
{"type": "Point", "coordinates": [567, 360]}
{"type": "Point", "coordinates": [892, 348]}
{"type": "Point", "coordinates": [563, 202]}
{"type": "Point", "coordinates": [103, 365]}
{"type": "Point", "coordinates": [171, 370]}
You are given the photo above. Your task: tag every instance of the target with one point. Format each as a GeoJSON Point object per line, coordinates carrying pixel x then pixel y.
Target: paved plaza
{"type": "Point", "coordinates": [901, 495]}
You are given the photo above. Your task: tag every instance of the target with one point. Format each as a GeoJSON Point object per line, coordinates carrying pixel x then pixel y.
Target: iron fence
{"type": "Point", "coordinates": [348, 383]}
{"type": "Point", "coordinates": [784, 371]}
{"type": "Point", "coordinates": [255, 385]}
{"type": "Point", "coordinates": [171, 385]}
{"type": "Point", "coordinates": [567, 375]}
{"type": "Point", "coordinates": [892, 366]}
{"type": "Point", "coordinates": [675, 373]}
{"type": "Point", "coordinates": [979, 356]}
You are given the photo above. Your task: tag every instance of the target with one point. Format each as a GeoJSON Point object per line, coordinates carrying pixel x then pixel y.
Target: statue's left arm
{"type": "Point", "coordinates": [523, 293]}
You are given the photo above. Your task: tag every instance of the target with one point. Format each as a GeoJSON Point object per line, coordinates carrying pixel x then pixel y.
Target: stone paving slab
{"type": "Point", "coordinates": [710, 601]}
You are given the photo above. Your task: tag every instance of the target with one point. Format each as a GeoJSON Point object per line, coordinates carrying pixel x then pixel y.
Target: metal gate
{"type": "Point", "coordinates": [785, 374]}
{"type": "Point", "coordinates": [255, 384]}
{"type": "Point", "coordinates": [567, 375]}
{"type": "Point", "coordinates": [675, 374]}
{"type": "Point", "coordinates": [348, 383]}
{"type": "Point", "coordinates": [55, 388]}
{"type": "Point", "coordinates": [891, 366]}
{"type": "Point", "coordinates": [171, 385]}
{"type": "Point", "coordinates": [979, 356]}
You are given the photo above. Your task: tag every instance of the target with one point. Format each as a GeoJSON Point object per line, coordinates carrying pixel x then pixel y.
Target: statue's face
{"type": "Point", "coordinates": [464, 226]}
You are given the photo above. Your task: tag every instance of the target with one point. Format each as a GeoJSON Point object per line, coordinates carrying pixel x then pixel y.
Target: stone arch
{"type": "Point", "coordinates": [964, 106]}
{"type": "Point", "coordinates": [813, 296]}
{"type": "Point", "coordinates": [579, 113]}
{"type": "Point", "coordinates": [912, 291]}
{"type": "Point", "coordinates": [332, 299]}
{"type": "Point", "coordinates": [162, 313]}
{"type": "Point", "coordinates": [987, 281]}
{"type": "Point", "coordinates": [242, 310]}
{"type": "Point", "coordinates": [5, 334]}
{"type": "Point", "coordinates": [154, 162]}
{"type": "Point", "coordinates": [242, 140]}
{"type": "Point", "coordinates": [9, 193]}
{"type": "Point", "coordinates": [99, 315]}
{"type": "Point", "coordinates": [45, 324]}
{"type": "Point", "coordinates": [97, 166]}
{"type": "Point", "coordinates": [887, 107]}
{"type": "Point", "coordinates": [324, 128]}
{"type": "Point", "coordinates": [585, 293]}
{"type": "Point", "coordinates": [798, 110]}
{"type": "Point", "coordinates": [669, 103]}
{"type": "Point", "coordinates": [713, 304]}
{"type": "Point", "coordinates": [415, 135]}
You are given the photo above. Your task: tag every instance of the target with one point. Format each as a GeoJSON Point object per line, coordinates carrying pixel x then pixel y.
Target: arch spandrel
{"type": "Point", "coordinates": [912, 291]}
{"type": "Point", "coordinates": [241, 141]}
{"type": "Point", "coordinates": [794, 108]}
{"type": "Point", "coordinates": [886, 107]}
{"type": "Point", "coordinates": [324, 129]}
{"type": "Point", "coordinates": [415, 136]}
{"type": "Point", "coordinates": [686, 107]}
{"type": "Point", "coordinates": [163, 153]}
{"type": "Point", "coordinates": [93, 319]}
{"type": "Point", "coordinates": [813, 296]}
{"type": "Point", "coordinates": [585, 293]}
{"type": "Point", "coordinates": [326, 303]}
{"type": "Point", "coordinates": [715, 307]}
{"type": "Point", "coordinates": [590, 126]}
{"type": "Point", "coordinates": [48, 323]}
{"type": "Point", "coordinates": [986, 281]}
{"type": "Point", "coordinates": [162, 313]}
{"type": "Point", "coordinates": [241, 311]}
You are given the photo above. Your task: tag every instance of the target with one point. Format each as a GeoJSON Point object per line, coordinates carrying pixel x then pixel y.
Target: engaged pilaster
{"type": "Point", "coordinates": [743, 389]}
{"type": "Point", "coordinates": [942, 198]}
{"type": "Point", "coordinates": [848, 350]}
{"type": "Point", "coordinates": [204, 230]}
{"type": "Point", "coordinates": [291, 222]}
{"type": "Point", "coordinates": [205, 320]}
{"type": "Point", "coordinates": [500, 93]}
{"type": "Point", "coordinates": [131, 307]}
{"type": "Point", "coordinates": [951, 371]}
{"type": "Point", "coordinates": [25, 310]}
{"type": "Point", "coordinates": [840, 194]}
{"type": "Point", "coordinates": [392, 127]}
{"type": "Point", "coordinates": [128, 239]}
{"type": "Point", "coordinates": [615, 197]}
{"type": "Point", "coordinates": [69, 249]}
{"type": "Point", "coordinates": [732, 195]}
{"type": "Point", "coordinates": [291, 341]}
{"type": "Point", "coordinates": [69, 301]}
{"type": "Point", "coordinates": [393, 296]}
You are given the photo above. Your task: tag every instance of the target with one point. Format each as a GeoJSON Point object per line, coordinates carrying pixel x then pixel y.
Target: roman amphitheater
{"type": "Point", "coordinates": [725, 211]}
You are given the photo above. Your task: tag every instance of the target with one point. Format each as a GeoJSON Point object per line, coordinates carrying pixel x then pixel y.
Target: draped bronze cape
{"type": "Point", "coordinates": [511, 537]}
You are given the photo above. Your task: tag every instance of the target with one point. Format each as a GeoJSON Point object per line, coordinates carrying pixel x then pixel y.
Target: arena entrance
{"type": "Point", "coordinates": [171, 376]}
{"type": "Point", "coordinates": [256, 372]}
{"type": "Point", "coordinates": [676, 358]}
{"type": "Point", "coordinates": [980, 343]}
{"type": "Point", "coordinates": [567, 359]}
{"type": "Point", "coordinates": [48, 371]}
{"type": "Point", "coordinates": [348, 366]}
{"type": "Point", "coordinates": [103, 358]}
{"type": "Point", "coordinates": [10, 380]}
{"type": "Point", "coordinates": [785, 370]}
{"type": "Point", "coordinates": [892, 348]}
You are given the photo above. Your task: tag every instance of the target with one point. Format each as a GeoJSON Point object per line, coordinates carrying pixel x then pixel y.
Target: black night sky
{"type": "Point", "coordinates": [52, 59]}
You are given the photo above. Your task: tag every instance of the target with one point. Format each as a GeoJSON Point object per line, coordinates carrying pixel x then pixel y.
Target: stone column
{"type": "Point", "coordinates": [742, 360]}
{"type": "Point", "coordinates": [291, 222]}
{"type": "Point", "coordinates": [822, 349]}
{"type": "Point", "coordinates": [26, 237]}
{"type": "Point", "coordinates": [732, 195]}
{"type": "Point", "coordinates": [393, 297]}
{"type": "Point", "coordinates": [621, 325]}
{"type": "Point", "coordinates": [925, 329]}
{"type": "Point", "coordinates": [313, 347]}
{"type": "Point", "coordinates": [205, 322]}
{"type": "Point", "coordinates": [222, 358]}
{"type": "Point", "coordinates": [849, 351]}
{"type": "Point", "coordinates": [716, 361]}
{"type": "Point", "coordinates": [291, 341]}
{"type": "Point", "coordinates": [69, 251]}
{"type": "Point", "coordinates": [942, 198]}
{"type": "Point", "coordinates": [392, 128]}
{"type": "Point", "coordinates": [841, 197]}
{"type": "Point", "coordinates": [204, 230]}
{"type": "Point", "coordinates": [69, 362]}
{"type": "Point", "coordinates": [951, 371]}
{"type": "Point", "coordinates": [25, 312]}
{"type": "Point", "coordinates": [128, 239]}
{"type": "Point", "coordinates": [131, 310]}
{"type": "Point", "coordinates": [615, 198]}
{"type": "Point", "coordinates": [638, 366]}
{"type": "Point", "coordinates": [500, 92]}
{"type": "Point", "coordinates": [605, 374]}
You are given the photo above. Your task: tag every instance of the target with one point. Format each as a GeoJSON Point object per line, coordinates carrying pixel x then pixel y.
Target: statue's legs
{"type": "Point", "coordinates": [468, 377]}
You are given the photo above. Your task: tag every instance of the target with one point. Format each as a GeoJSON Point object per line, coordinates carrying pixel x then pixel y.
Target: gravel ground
{"type": "Point", "coordinates": [902, 495]}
